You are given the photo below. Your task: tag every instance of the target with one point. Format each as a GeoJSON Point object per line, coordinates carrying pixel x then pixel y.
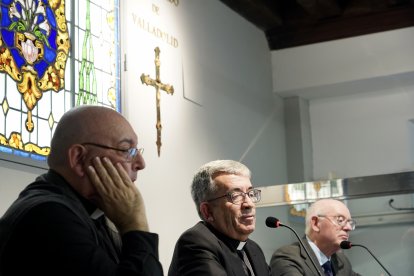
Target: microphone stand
{"type": "Point", "coordinates": [360, 245]}
{"type": "Point", "coordinates": [303, 246]}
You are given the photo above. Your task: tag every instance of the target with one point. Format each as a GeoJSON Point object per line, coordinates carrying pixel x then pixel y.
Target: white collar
{"type": "Point", "coordinates": [321, 257]}
{"type": "Point", "coordinates": [96, 214]}
{"type": "Point", "coordinates": [241, 245]}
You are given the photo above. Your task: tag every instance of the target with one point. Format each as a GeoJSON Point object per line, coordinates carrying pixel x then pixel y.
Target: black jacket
{"type": "Point", "coordinates": [203, 251]}
{"type": "Point", "coordinates": [48, 230]}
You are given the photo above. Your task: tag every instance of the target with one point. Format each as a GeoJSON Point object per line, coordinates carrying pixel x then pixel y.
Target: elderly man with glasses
{"type": "Point", "coordinates": [85, 215]}
{"type": "Point", "coordinates": [328, 223]}
{"type": "Point", "coordinates": [219, 244]}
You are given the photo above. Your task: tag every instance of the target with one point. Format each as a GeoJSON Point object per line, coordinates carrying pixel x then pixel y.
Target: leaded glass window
{"type": "Point", "coordinates": [54, 54]}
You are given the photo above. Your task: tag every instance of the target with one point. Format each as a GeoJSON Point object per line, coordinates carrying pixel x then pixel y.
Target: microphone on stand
{"type": "Point", "coordinates": [275, 223]}
{"type": "Point", "coordinates": [348, 245]}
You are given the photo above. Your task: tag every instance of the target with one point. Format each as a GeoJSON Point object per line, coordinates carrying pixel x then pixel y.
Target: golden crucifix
{"type": "Point", "coordinates": [158, 86]}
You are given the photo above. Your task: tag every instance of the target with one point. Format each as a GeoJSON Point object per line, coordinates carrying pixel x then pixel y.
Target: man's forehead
{"type": "Point", "coordinates": [120, 129]}
{"type": "Point", "coordinates": [339, 210]}
{"type": "Point", "coordinates": [232, 181]}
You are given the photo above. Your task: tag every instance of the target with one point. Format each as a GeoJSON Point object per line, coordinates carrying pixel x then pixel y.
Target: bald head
{"type": "Point", "coordinates": [79, 125]}
{"type": "Point", "coordinates": [328, 223]}
{"type": "Point", "coordinates": [322, 207]}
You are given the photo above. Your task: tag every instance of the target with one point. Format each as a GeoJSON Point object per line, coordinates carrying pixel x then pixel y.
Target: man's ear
{"type": "Point", "coordinates": [76, 159]}
{"type": "Point", "coordinates": [314, 224]}
{"type": "Point", "coordinates": [206, 213]}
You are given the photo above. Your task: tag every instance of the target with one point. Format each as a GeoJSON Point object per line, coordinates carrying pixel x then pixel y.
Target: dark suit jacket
{"type": "Point", "coordinates": [48, 231]}
{"type": "Point", "coordinates": [292, 260]}
{"type": "Point", "coordinates": [203, 251]}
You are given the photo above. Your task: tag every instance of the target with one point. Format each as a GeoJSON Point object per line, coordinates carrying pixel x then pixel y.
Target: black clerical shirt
{"type": "Point", "coordinates": [202, 250]}
{"type": "Point", "coordinates": [49, 231]}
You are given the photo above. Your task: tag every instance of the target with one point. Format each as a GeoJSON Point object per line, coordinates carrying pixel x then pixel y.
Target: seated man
{"type": "Point", "coordinates": [219, 245]}
{"type": "Point", "coordinates": [328, 223]}
{"type": "Point", "coordinates": [59, 225]}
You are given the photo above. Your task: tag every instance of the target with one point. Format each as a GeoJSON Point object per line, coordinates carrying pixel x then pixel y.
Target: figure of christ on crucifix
{"type": "Point", "coordinates": [158, 86]}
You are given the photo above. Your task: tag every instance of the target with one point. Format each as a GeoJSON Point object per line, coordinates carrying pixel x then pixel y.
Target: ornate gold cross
{"type": "Point", "coordinates": [158, 86]}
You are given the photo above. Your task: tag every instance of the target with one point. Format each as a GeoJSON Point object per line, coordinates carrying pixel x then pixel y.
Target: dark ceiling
{"type": "Point", "coordinates": [290, 23]}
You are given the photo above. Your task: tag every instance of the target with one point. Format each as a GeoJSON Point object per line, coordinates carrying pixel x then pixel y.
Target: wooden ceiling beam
{"type": "Point", "coordinates": [327, 30]}
{"type": "Point", "coordinates": [261, 14]}
{"type": "Point", "coordinates": [321, 9]}
{"type": "Point", "coordinates": [290, 23]}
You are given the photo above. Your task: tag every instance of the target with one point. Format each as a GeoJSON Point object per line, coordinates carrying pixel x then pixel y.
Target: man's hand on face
{"type": "Point", "coordinates": [118, 197]}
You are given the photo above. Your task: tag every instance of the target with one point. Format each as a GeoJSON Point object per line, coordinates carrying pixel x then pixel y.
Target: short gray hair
{"type": "Point", "coordinates": [203, 185]}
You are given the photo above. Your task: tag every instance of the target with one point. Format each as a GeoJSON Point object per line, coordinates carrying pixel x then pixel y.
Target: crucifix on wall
{"type": "Point", "coordinates": [158, 85]}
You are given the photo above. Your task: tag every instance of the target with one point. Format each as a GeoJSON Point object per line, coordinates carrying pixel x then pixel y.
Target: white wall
{"type": "Point", "coordinates": [365, 134]}
{"type": "Point", "coordinates": [14, 178]}
{"type": "Point", "coordinates": [342, 61]}
{"type": "Point", "coordinates": [361, 106]}
{"type": "Point", "coordinates": [361, 101]}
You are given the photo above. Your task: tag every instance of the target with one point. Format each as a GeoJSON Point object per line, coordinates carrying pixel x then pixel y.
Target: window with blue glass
{"type": "Point", "coordinates": [48, 65]}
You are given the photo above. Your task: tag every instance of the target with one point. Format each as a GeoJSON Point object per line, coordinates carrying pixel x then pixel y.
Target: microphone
{"type": "Point", "coordinates": [275, 223]}
{"type": "Point", "coordinates": [348, 245]}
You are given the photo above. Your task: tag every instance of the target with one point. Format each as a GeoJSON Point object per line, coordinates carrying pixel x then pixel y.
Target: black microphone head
{"type": "Point", "coordinates": [346, 244]}
{"type": "Point", "coordinates": [272, 222]}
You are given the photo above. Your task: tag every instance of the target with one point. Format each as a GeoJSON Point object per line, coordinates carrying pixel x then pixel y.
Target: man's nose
{"type": "Point", "coordinates": [138, 163]}
{"type": "Point", "coordinates": [247, 201]}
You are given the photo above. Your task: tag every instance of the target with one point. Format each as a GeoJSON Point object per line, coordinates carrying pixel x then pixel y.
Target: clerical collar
{"type": "Point", "coordinates": [96, 214]}
{"type": "Point", "coordinates": [241, 245]}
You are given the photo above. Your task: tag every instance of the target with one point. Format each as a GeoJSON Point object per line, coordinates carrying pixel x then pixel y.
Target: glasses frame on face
{"type": "Point", "coordinates": [238, 197]}
{"type": "Point", "coordinates": [340, 221]}
{"type": "Point", "coordinates": [131, 152]}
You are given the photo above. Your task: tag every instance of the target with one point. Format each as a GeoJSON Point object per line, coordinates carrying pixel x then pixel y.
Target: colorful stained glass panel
{"type": "Point", "coordinates": [49, 65]}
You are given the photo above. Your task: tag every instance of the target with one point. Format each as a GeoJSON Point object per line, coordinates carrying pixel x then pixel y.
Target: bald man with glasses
{"type": "Point", "coordinates": [85, 215]}
{"type": "Point", "coordinates": [328, 223]}
{"type": "Point", "coordinates": [219, 244]}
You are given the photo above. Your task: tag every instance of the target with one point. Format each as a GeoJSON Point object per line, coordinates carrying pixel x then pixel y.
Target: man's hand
{"type": "Point", "coordinates": [118, 197]}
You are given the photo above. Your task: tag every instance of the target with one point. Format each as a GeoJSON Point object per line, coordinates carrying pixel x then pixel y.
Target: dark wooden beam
{"type": "Point", "coordinates": [290, 23]}
{"type": "Point", "coordinates": [336, 28]}
{"type": "Point", "coordinates": [321, 9]}
{"type": "Point", "coordinates": [263, 15]}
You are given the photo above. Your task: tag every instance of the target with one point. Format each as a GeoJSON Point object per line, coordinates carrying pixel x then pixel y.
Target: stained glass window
{"type": "Point", "coordinates": [54, 54]}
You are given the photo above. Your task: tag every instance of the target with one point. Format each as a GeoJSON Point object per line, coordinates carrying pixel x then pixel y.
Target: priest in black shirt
{"type": "Point", "coordinates": [85, 216]}
{"type": "Point", "coordinates": [219, 245]}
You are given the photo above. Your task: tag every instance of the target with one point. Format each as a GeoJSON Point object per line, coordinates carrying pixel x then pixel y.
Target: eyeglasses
{"type": "Point", "coordinates": [236, 197]}
{"type": "Point", "coordinates": [340, 221]}
{"type": "Point", "coordinates": [131, 152]}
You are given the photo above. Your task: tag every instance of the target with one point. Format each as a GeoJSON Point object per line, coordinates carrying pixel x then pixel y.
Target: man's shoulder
{"type": "Point", "coordinates": [39, 215]}
{"type": "Point", "coordinates": [42, 200]}
{"type": "Point", "coordinates": [289, 249]}
{"type": "Point", "coordinates": [200, 231]}
{"type": "Point", "coordinates": [341, 257]}
{"type": "Point", "coordinates": [200, 236]}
